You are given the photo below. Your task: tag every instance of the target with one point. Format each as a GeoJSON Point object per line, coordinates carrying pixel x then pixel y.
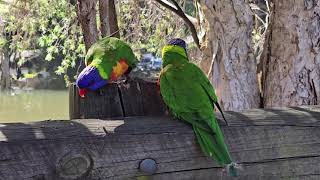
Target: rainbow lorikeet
{"type": "Point", "coordinates": [190, 96]}
{"type": "Point", "coordinates": [106, 61]}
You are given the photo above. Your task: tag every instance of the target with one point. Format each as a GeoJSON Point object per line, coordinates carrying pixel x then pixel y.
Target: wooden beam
{"type": "Point", "coordinates": [269, 144]}
{"type": "Point", "coordinates": [74, 102]}
{"type": "Point", "coordinates": [126, 99]}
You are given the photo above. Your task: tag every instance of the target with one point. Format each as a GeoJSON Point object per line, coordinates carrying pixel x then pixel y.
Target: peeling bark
{"type": "Point", "coordinates": [291, 73]}
{"type": "Point", "coordinates": [87, 17]}
{"type": "Point", "coordinates": [227, 43]}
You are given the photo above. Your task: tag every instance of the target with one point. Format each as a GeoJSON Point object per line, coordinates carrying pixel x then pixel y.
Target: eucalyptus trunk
{"type": "Point", "coordinates": [86, 12]}
{"type": "Point", "coordinates": [291, 62]}
{"type": "Point", "coordinates": [228, 52]}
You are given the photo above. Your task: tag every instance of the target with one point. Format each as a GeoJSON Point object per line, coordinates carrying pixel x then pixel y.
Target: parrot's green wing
{"type": "Point", "coordinates": [186, 89]}
{"type": "Point", "coordinates": [106, 52]}
{"type": "Point", "coordinates": [205, 83]}
{"type": "Point", "coordinates": [172, 99]}
{"type": "Point", "coordinates": [190, 96]}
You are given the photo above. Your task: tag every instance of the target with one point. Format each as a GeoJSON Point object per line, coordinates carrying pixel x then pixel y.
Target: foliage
{"type": "Point", "coordinates": [50, 25]}
{"type": "Point", "coordinates": [153, 27]}
{"type": "Point", "coordinates": [30, 75]}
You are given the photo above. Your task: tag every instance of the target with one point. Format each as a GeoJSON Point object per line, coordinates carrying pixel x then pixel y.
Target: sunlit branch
{"type": "Point", "coordinates": [177, 10]}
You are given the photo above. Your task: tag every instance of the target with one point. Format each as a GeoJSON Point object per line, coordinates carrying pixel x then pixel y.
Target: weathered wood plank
{"type": "Point", "coordinates": [301, 116]}
{"type": "Point", "coordinates": [104, 103]}
{"type": "Point", "coordinates": [74, 101]}
{"type": "Point", "coordinates": [151, 99]}
{"type": "Point", "coordinates": [132, 99]}
{"type": "Point", "coordinates": [292, 169]}
{"type": "Point", "coordinates": [125, 99]}
{"type": "Point", "coordinates": [112, 149]}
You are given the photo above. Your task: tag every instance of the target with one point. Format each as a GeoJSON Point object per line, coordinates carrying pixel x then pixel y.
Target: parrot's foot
{"type": "Point", "coordinates": [233, 169]}
{"type": "Point", "coordinates": [101, 92]}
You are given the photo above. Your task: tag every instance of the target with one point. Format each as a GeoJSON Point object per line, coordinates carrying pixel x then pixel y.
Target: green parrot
{"type": "Point", "coordinates": [106, 61]}
{"type": "Point", "coordinates": [105, 53]}
{"type": "Point", "coordinates": [190, 96]}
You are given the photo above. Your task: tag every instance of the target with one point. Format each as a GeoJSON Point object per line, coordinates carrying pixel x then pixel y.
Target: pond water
{"type": "Point", "coordinates": [35, 105]}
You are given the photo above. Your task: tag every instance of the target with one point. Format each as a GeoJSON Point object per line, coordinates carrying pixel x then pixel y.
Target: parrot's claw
{"type": "Point", "coordinates": [100, 92]}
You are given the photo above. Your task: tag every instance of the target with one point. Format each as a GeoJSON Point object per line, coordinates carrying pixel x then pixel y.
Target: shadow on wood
{"type": "Point", "coordinates": [269, 144]}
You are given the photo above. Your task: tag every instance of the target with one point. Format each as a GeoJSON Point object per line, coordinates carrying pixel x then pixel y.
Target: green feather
{"type": "Point", "coordinates": [105, 53]}
{"type": "Point", "coordinates": [190, 96]}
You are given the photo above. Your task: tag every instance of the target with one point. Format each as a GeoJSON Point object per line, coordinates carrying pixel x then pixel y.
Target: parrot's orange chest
{"type": "Point", "coordinates": [119, 69]}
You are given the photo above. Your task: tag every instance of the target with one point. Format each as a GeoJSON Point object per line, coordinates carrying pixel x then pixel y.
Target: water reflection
{"type": "Point", "coordinates": [36, 105]}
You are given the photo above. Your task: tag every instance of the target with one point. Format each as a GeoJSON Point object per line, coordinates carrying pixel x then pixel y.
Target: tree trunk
{"type": "Point", "coordinates": [108, 18]}
{"type": "Point", "coordinates": [104, 18]}
{"type": "Point", "coordinates": [113, 22]}
{"type": "Point", "coordinates": [5, 71]}
{"type": "Point", "coordinates": [87, 17]}
{"type": "Point", "coordinates": [291, 64]}
{"type": "Point", "coordinates": [228, 52]}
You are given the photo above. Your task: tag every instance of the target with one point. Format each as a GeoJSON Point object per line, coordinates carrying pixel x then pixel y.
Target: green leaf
{"type": "Point", "coordinates": [48, 57]}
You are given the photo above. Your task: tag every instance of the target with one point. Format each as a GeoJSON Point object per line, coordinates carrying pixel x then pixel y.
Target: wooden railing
{"type": "Point", "coordinates": [267, 143]}
{"type": "Point", "coordinates": [134, 98]}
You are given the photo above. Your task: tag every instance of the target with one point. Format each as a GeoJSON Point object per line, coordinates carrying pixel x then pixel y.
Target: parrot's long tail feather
{"type": "Point", "coordinates": [219, 108]}
{"type": "Point", "coordinates": [212, 144]}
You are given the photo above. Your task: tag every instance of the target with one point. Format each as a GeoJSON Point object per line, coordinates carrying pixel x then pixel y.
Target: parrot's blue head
{"type": "Point", "coordinates": [174, 52]}
{"type": "Point", "coordinates": [178, 42]}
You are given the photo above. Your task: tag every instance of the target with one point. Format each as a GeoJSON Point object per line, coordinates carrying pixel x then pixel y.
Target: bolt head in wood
{"type": "Point", "coordinates": [148, 166]}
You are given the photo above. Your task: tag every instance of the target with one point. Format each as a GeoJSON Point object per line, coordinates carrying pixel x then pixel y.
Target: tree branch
{"type": "Point", "coordinates": [177, 10]}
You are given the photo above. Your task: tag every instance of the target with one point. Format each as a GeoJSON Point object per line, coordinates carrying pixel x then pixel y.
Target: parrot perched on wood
{"type": "Point", "coordinates": [190, 96]}
{"type": "Point", "coordinates": [106, 61]}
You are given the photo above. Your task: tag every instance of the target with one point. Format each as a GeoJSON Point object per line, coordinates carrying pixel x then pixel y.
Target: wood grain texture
{"type": "Point", "coordinates": [74, 102]}
{"type": "Point", "coordinates": [291, 68]}
{"type": "Point", "coordinates": [125, 99]}
{"type": "Point", "coordinates": [131, 96]}
{"type": "Point", "coordinates": [103, 103]}
{"type": "Point", "coordinates": [151, 99]}
{"type": "Point", "coordinates": [86, 12]}
{"type": "Point", "coordinates": [228, 57]}
{"type": "Point", "coordinates": [265, 142]}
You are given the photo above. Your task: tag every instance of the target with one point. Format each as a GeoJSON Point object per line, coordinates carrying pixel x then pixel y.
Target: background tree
{"type": "Point", "coordinates": [108, 18]}
{"type": "Point", "coordinates": [52, 28]}
{"type": "Point", "coordinates": [86, 10]}
{"type": "Point", "coordinates": [147, 25]}
{"type": "Point", "coordinates": [5, 79]}
{"type": "Point", "coordinates": [87, 15]}
{"type": "Point", "coordinates": [291, 59]}
{"type": "Point", "coordinates": [54, 31]}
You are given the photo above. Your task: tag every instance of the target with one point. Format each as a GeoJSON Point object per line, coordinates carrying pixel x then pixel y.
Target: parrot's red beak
{"type": "Point", "coordinates": [82, 92]}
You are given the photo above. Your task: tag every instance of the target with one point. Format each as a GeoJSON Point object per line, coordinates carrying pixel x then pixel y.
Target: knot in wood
{"type": "Point", "coordinates": [74, 165]}
{"type": "Point", "coordinates": [148, 166]}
